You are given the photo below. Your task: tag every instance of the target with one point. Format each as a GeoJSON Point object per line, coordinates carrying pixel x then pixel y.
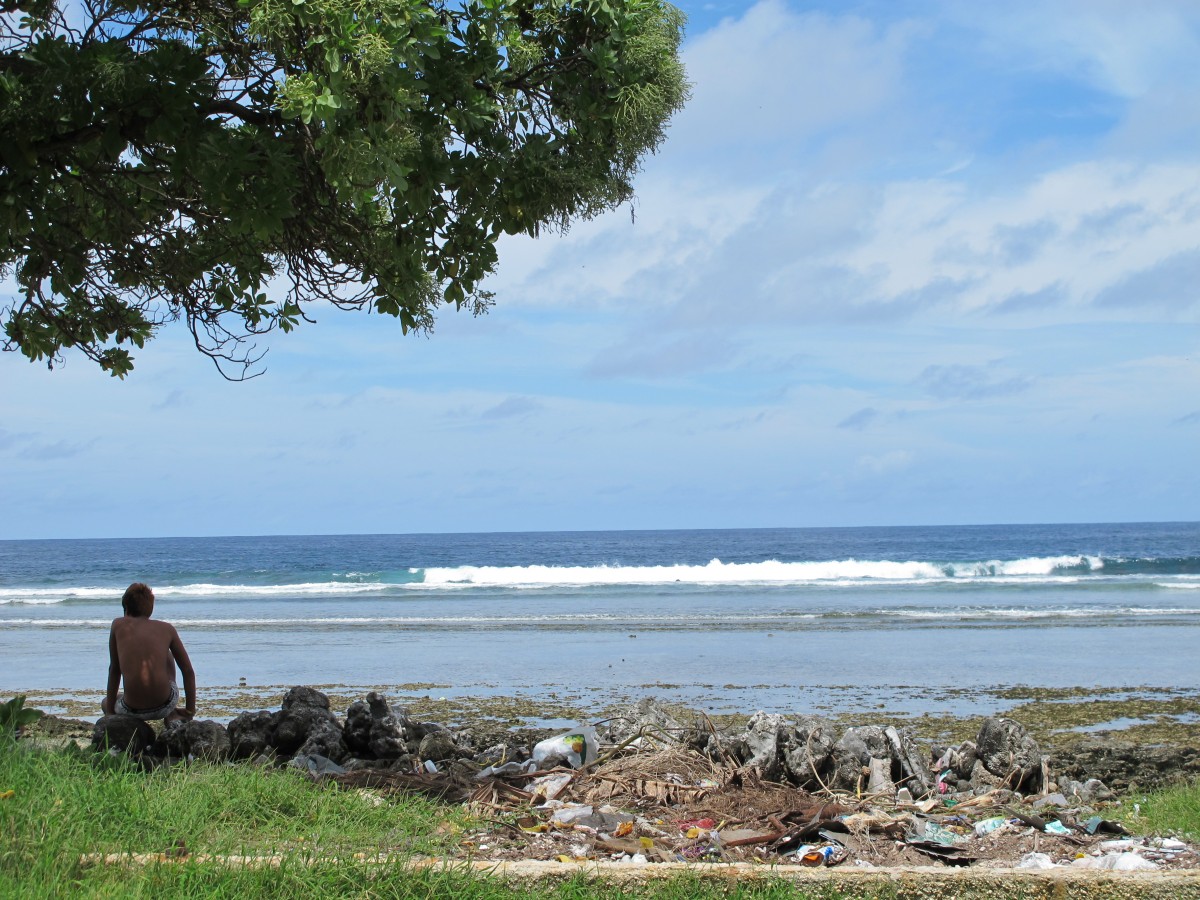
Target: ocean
{"type": "Point", "coordinates": [911, 619]}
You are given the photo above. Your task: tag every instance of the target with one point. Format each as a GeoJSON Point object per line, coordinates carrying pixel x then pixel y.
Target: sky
{"type": "Point", "coordinates": [906, 262]}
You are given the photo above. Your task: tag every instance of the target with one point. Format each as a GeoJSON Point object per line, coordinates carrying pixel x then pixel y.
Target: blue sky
{"type": "Point", "coordinates": [897, 263]}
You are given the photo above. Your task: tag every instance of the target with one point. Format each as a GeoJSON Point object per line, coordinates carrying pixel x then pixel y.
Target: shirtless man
{"type": "Point", "coordinates": [145, 652]}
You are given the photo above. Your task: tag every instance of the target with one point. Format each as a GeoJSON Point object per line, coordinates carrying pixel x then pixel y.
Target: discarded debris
{"type": "Point", "coordinates": [576, 749]}
{"type": "Point", "coordinates": [649, 787]}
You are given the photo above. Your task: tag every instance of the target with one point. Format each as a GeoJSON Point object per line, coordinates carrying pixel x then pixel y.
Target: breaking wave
{"type": "Point", "coordinates": [1031, 571]}
{"type": "Point", "coordinates": [847, 571]}
{"type": "Point", "coordinates": [43, 596]}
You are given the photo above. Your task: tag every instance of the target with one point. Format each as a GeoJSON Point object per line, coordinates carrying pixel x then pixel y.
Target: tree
{"type": "Point", "coordinates": [231, 163]}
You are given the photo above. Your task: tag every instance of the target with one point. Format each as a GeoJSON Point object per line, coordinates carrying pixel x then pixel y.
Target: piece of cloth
{"type": "Point", "coordinates": [146, 715]}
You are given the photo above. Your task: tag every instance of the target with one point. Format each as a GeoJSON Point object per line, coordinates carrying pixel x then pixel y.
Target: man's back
{"type": "Point", "coordinates": [144, 652]}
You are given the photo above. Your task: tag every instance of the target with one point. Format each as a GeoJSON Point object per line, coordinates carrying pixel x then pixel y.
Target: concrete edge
{"type": "Point", "coordinates": [531, 869]}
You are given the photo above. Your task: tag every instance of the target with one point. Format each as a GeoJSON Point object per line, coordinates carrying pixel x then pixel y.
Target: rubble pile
{"type": "Point", "coordinates": [645, 787]}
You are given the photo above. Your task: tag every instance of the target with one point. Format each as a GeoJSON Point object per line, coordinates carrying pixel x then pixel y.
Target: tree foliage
{"type": "Point", "coordinates": [231, 163]}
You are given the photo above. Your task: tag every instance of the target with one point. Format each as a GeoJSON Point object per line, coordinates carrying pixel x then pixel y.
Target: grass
{"type": "Point", "coordinates": [64, 805]}
{"type": "Point", "coordinates": [1174, 811]}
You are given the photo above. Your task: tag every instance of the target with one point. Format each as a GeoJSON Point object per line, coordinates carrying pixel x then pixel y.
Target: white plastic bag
{"type": "Point", "coordinates": [1036, 861]}
{"type": "Point", "coordinates": [575, 749]}
{"type": "Point", "coordinates": [1119, 862]}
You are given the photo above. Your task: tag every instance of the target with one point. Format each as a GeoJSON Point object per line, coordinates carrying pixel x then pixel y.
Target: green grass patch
{"type": "Point", "coordinates": [1172, 811]}
{"type": "Point", "coordinates": [65, 804]}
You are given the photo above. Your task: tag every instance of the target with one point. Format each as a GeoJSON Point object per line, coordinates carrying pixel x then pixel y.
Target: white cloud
{"type": "Point", "coordinates": [748, 221]}
{"type": "Point", "coordinates": [1121, 47]}
{"type": "Point", "coordinates": [885, 463]}
{"type": "Point", "coordinates": [1072, 233]}
{"type": "Point", "coordinates": [775, 78]}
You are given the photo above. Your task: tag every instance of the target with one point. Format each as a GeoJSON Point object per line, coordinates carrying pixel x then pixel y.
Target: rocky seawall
{"type": "Point", "coordinates": [811, 752]}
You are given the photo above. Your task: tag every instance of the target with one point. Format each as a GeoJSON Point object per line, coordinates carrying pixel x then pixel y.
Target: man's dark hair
{"type": "Point", "coordinates": [138, 600]}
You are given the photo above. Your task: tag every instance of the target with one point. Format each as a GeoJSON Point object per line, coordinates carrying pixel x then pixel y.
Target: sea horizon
{"type": "Point", "coordinates": [570, 531]}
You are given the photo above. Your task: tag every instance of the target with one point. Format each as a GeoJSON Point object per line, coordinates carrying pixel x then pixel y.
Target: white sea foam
{"type": "Point", "coordinates": [715, 572]}
{"type": "Point", "coordinates": [831, 572]}
{"type": "Point", "coordinates": [42, 596]}
{"type": "Point", "coordinates": [61, 595]}
{"type": "Point", "coordinates": [1034, 565]}
{"type": "Point", "coordinates": [270, 590]}
{"type": "Point", "coordinates": [1077, 612]}
{"type": "Point", "coordinates": [846, 573]}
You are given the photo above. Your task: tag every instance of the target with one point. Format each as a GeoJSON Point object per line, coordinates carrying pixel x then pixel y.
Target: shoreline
{"type": "Point", "coordinates": [1060, 719]}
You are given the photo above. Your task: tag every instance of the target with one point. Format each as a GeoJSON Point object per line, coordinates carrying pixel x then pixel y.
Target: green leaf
{"type": "Point", "coordinates": [402, 139]}
{"type": "Point", "coordinates": [14, 717]}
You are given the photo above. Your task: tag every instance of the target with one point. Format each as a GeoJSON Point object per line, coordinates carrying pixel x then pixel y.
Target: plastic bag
{"type": "Point", "coordinates": [1036, 861]}
{"type": "Point", "coordinates": [575, 749]}
{"type": "Point", "coordinates": [987, 826]}
{"type": "Point", "coordinates": [1120, 862]}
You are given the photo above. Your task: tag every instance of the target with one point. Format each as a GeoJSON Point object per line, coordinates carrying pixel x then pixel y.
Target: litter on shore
{"type": "Point", "coordinates": [650, 786]}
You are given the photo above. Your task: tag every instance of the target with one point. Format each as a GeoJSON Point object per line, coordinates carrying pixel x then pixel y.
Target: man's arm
{"type": "Point", "coordinates": [185, 667]}
{"type": "Point", "coordinates": [114, 675]}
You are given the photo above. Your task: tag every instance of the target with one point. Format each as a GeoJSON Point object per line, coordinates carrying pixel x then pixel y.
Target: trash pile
{"type": "Point", "coordinates": [644, 787]}
{"type": "Point", "coordinates": [654, 797]}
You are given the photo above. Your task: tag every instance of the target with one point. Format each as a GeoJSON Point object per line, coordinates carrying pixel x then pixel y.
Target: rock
{"type": "Point", "coordinates": [304, 710]}
{"type": "Point", "coordinates": [463, 769]}
{"type": "Point", "coordinates": [959, 760]}
{"type": "Point", "coordinates": [289, 731]}
{"type": "Point", "coordinates": [893, 754]}
{"type": "Point", "coordinates": [388, 738]}
{"type": "Point", "coordinates": [764, 737]}
{"type": "Point", "coordinates": [647, 718]}
{"type": "Point", "coordinates": [852, 755]}
{"type": "Point", "coordinates": [808, 750]}
{"type": "Point", "coordinates": [1010, 754]}
{"type": "Point", "coordinates": [981, 780]}
{"type": "Point", "coordinates": [1125, 766]}
{"type": "Point", "coordinates": [498, 754]}
{"type": "Point", "coordinates": [1058, 800]}
{"type": "Point", "coordinates": [373, 730]}
{"type": "Point", "coordinates": [736, 749]}
{"type": "Point", "coordinates": [913, 769]}
{"type": "Point", "coordinates": [306, 697]}
{"type": "Point", "coordinates": [438, 746]}
{"type": "Point", "coordinates": [357, 730]}
{"type": "Point", "coordinates": [249, 734]}
{"type": "Point", "coordinates": [1095, 791]}
{"type": "Point", "coordinates": [123, 733]}
{"type": "Point", "coordinates": [867, 741]}
{"type": "Point", "coordinates": [879, 781]}
{"type": "Point", "coordinates": [324, 738]}
{"type": "Point", "coordinates": [203, 739]}
{"type": "Point", "coordinates": [404, 763]}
